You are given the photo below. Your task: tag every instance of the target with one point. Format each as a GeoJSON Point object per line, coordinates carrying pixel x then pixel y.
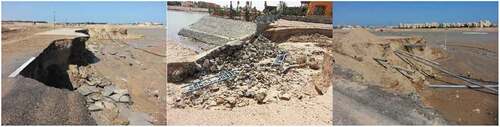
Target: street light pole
{"type": "Point", "coordinates": [54, 19]}
{"type": "Point", "coordinates": [445, 37]}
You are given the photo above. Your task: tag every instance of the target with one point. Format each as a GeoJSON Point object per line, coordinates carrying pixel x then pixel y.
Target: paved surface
{"type": "Point", "coordinates": [358, 104]}
{"type": "Point", "coordinates": [16, 53]}
{"type": "Point", "coordinates": [218, 31]}
{"type": "Point", "coordinates": [33, 103]}
{"type": "Point", "coordinates": [64, 32]}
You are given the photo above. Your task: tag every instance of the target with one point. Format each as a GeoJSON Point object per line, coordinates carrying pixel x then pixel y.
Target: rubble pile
{"type": "Point", "coordinates": [104, 99]}
{"type": "Point", "coordinates": [256, 78]}
{"type": "Point", "coordinates": [316, 38]}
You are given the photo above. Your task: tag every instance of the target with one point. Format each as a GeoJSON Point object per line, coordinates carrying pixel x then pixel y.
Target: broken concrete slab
{"type": "Point", "coordinates": [218, 31]}
{"type": "Point", "coordinates": [86, 90]}
{"type": "Point", "coordinates": [108, 90]}
{"type": "Point", "coordinates": [97, 106]}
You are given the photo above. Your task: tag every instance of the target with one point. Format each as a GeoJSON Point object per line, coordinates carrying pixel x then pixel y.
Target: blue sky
{"type": "Point", "coordinates": [392, 13]}
{"type": "Point", "coordinates": [111, 12]}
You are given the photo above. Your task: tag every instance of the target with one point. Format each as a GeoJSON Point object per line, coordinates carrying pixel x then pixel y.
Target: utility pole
{"type": "Point", "coordinates": [445, 37]}
{"type": "Point", "coordinates": [54, 19]}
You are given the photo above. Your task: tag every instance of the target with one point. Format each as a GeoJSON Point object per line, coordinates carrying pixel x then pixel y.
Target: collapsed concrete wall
{"type": "Point", "coordinates": [218, 31]}
{"type": "Point", "coordinates": [257, 80]}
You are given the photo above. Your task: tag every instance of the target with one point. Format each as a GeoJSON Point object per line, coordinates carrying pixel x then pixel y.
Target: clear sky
{"type": "Point", "coordinates": [110, 12]}
{"type": "Point", "coordinates": [393, 13]}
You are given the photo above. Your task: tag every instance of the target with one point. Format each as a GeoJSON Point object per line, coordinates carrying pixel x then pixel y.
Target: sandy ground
{"type": "Point", "coordinates": [316, 111]}
{"type": "Point", "coordinates": [466, 106]}
{"type": "Point", "coordinates": [17, 32]}
{"type": "Point", "coordinates": [476, 55]}
{"type": "Point", "coordinates": [138, 67]}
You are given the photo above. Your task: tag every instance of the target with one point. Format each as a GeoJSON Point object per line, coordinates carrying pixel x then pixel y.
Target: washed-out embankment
{"type": "Point", "coordinates": [60, 87]}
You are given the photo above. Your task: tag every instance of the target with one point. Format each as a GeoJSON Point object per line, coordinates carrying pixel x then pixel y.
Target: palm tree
{"type": "Point", "coordinates": [237, 8]}
{"type": "Point", "coordinates": [231, 9]}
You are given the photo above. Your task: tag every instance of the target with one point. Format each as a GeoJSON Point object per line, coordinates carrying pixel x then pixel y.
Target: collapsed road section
{"type": "Point", "coordinates": [69, 85]}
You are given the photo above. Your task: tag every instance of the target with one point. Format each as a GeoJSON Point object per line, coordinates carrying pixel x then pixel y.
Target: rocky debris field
{"type": "Point", "coordinates": [107, 102]}
{"type": "Point", "coordinates": [314, 38]}
{"type": "Point", "coordinates": [254, 75]}
{"type": "Point", "coordinates": [104, 99]}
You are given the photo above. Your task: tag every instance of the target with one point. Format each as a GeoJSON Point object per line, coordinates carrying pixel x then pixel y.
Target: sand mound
{"type": "Point", "coordinates": [359, 36]}
{"type": "Point", "coordinates": [110, 33]}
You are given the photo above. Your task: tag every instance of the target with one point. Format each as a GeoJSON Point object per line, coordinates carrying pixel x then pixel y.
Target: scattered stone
{"type": "Point", "coordinates": [219, 100]}
{"type": "Point", "coordinates": [231, 100]}
{"type": "Point", "coordinates": [124, 99]}
{"type": "Point", "coordinates": [104, 83]}
{"type": "Point", "coordinates": [477, 110]}
{"type": "Point", "coordinates": [243, 103]}
{"type": "Point", "coordinates": [102, 97]}
{"type": "Point", "coordinates": [95, 96]}
{"type": "Point", "coordinates": [260, 97]}
{"type": "Point", "coordinates": [109, 105]}
{"type": "Point", "coordinates": [108, 90]}
{"type": "Point", "coordinates": [121, 91]}
{"type": "Point", "coordinates": [212, 103]}
{"type": "Point", "coordinates": [89, 100]}
{"type": "Point", "coordinates": [115, 97]}
{"type": "Point", "coordinates": [97, 106]}
{"type": "Point", "coordinates": [86, 90]}
{"type": "Point", "coordinates": [285, 97]}
{"type": "Point", "coordinates": [249, 93]}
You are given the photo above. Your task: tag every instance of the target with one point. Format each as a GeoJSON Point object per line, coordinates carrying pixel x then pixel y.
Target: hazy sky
{"type": "Point", "coordinates": [393, 13]}
{"type": "Point", "coordinates": [111, 12]}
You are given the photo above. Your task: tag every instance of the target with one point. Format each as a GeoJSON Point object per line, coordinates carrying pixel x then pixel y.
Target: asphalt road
{"type": "Point", "coordinates": [33, 103]}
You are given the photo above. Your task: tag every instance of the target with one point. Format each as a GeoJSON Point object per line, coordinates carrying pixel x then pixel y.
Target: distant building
{"type": "Point", "coordinates": [187, 4]}
{"type": "Point", "coordinates": [480, 24]}
{"type": "Point", "coordinates": [323, 8]}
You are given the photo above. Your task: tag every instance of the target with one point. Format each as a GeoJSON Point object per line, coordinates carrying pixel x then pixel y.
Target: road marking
{"type": "Point", "coordinates": [18, 70]}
